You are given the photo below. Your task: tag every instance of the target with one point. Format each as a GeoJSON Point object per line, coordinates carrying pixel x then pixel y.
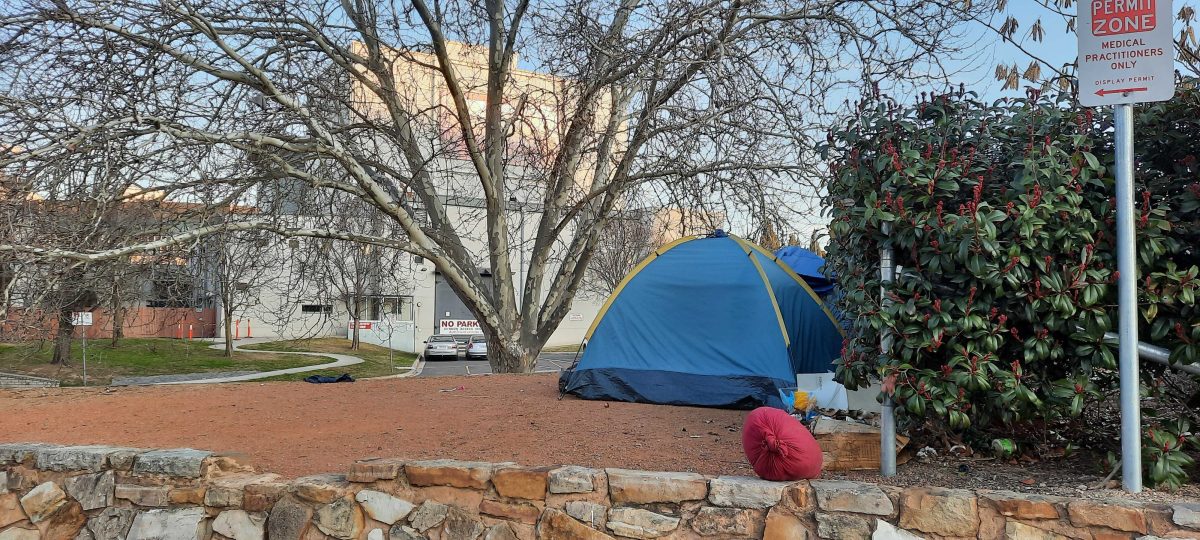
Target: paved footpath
{"type": "Point", "coordinates": [339, 360]}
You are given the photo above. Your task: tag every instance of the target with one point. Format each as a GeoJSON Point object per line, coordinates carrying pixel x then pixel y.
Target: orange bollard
{"type": "Point", "coordinates": [247, 328]}
{"type": "Point", "coordinates": [179, 331]}
{"type": "Point", "coordinates": [189, 332]}
{"type": "Point", "coordinates": [237, 329]}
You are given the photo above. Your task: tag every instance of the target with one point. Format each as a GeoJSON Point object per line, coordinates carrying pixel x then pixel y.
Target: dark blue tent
{"type": "Point", "coordinates": [807, 265]}
{"type": "Point", "coordinates": [708, 321]}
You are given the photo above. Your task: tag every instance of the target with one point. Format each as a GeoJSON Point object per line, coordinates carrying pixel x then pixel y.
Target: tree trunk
{"type": "Point", "coordinates": [118, 322]}
{"type": "Point", "coordinates": [354, 341]}
{"type": "Point", "coordinates": [512, 356]}
{"type": "Point", "coordinates": [228, 316]}
{"type": "Point", "coordinates": [118, 317]}
{"type": "Point", "coordinates": [62, 340]}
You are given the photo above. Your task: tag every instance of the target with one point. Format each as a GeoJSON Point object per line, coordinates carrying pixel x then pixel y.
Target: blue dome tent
{"type": "Point", "coordinates": [712, 321]}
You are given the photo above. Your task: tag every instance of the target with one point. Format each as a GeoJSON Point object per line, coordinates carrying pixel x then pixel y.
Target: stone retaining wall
{"type": "Point", "coordinates": [52, 492]}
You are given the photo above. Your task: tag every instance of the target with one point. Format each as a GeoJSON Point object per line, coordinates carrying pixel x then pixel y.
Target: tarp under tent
{"type": "Point", "coordinates": [712, 321]}
{"type": "Point", "coordinates": [807, 265]}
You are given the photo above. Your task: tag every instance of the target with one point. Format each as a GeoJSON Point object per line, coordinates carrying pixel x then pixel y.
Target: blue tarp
{"type": "Point", "coordinates": [697, 325]}
{"type": "Point", "coordinates": [808, 265]}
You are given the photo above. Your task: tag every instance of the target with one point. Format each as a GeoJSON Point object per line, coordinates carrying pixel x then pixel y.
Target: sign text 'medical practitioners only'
{"type": "Point", "coordinates": [1126, 52]}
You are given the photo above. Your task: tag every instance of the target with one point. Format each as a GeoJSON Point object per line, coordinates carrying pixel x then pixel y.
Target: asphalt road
{"type": "Point", "coordinates": [547, 362]}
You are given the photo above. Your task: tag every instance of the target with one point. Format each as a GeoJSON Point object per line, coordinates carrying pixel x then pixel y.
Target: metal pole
{"type": "Point", "coordinates": [887, 416]}
{"type": "Point", "coordinates": [521, 284]}
{"type": "Point", "coordinates": [1131, 411]}
{"type": "Point", "coordinates": [85, 356]}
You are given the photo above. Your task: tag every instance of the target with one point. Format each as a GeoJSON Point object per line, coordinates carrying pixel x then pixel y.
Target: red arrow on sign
{"type": "Point", "coordinates": [1103, 92]}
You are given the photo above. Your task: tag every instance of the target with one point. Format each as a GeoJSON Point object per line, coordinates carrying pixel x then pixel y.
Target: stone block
{"type": "Point", "coordinates": [260, 497]}
{"type": "Point", "coordinates": [111, 523]}
{"type": "Point", "coordinates": [726, 521]}
{"type": "Point", "coordinates": [843, 496]}
{"type": "Point", "coordinates": [341, 519]}
{"type": "Point", "coordinates": [842, 526]}
{"type": "Point", "coordinates": [572, 479]}
{"type": "Point", "coordinates": [227, 491]}
{"type": "Point", "coordinates": [193, 496]}
{"type": "Point", "coordinates": [1186, 515]}
{"type": "Point", "coordinates": [522, 482]}
{"type": "Point", "coordinates": [519, 512]}
{"type": "Point", "coordinates": [3, 482]}
{"type": "Point", "coordinates": [180, 462]}
{"type": "Point", "coordinates": [321, 488]}
{"type": "Point", "coordinates": [383, 507]}
{"type": "Point", "coordinates": [557, 524]}
{"type": "Point", "coordinates": [91, 458]}
{"type": "Point", "coordinates": [240, 525]}
{"type": "Point", "coordinates": [500, 531]}
{"type": "Point", "coordinates": [21, 452]}
{"type": "Point", "coordinates": [42, 501]}
{"type": "Point", "coordinates": [176, 524]}
{"type": "Point", "coordinates": [745, 492]}
{"type": "Point", "coordinates": [1119, 516]}
{"type": "Point", "coordinates": [18, 533]}
{"type": "Point", "coordinates": [947, 512]}
{"type": "Point", "coordinates": [887, 531]}
{"type": "Point", "coordinates": [375, 469]}
{"type": "Point", "coordinates": [10, 509]}
{"type": "Point", "coordinates": [644, 487]}
{"type": "Point", "coordinates": [640, 523]}
{"type": "Point", "coordinates": [429, 515]}
{"type": "Point", "coordinates": [1023, 505]}
{"type": "Point", "coordinates": [1016, 530]}
{"type": "Point", "coordinates": [595, 515]}
{"type": "Point", "coordinates": [143, 495]}
{"type": "Point", "coordinates": [460, 524]}
{"type": "Point", "coordinates": [799, 495]}
{"type": "Point", "coordinates": [66, 522]}
{"type": "Point", "coordinates": [782, 525]}
{"type": "Point", "coordinates": [400, 531]}
{"type": "Point", "coordinates": [449, 472]}
{"type": "Point", "coordinates": [289, 520]}
{"type": "Point", "coordinates": [92, 490]}
{"type": "Point", "coordinates": [121, 459]}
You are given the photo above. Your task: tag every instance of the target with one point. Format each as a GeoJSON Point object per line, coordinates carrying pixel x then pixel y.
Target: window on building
{"type": "Point", "coordinates": [316, 308]}
{"type": "Point", "coordinates": [397, 308]}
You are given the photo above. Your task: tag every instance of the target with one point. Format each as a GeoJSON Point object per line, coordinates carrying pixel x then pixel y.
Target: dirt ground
{"type": "Point", "coordinates": [296, 429]}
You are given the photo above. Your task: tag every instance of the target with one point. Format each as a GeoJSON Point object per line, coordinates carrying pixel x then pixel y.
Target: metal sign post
{"type": "Point", "coordinates": [82, 318]}
{"type": "Point", "coordinates": [1126, 56]}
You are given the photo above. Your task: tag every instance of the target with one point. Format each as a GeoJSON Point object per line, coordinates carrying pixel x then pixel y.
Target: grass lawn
{"type": "Point", "coordinates": [562, 348]}
{"type": "Point", "coordinates": [137, 357]}
{"type": "Point", "coordinates": [375, 358]}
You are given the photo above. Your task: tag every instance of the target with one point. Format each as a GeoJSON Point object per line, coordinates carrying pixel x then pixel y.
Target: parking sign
{"type": "Point", "coordinates": [1126, 52]}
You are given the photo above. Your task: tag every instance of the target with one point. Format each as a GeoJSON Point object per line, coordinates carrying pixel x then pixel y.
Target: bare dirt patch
{"type": "Point", "coordinates": [296, 428]}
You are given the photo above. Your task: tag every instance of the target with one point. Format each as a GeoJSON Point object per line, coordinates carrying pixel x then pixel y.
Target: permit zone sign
{"type": "Point", "coordinates": [1126, 52]}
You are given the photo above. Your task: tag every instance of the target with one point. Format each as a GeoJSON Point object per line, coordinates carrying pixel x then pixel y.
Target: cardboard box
{"type": "Point", "coordinates": [849, 446]}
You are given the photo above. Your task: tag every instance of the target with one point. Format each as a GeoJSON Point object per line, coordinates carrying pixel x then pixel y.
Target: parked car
{"type": "Point", "coordinates": [441, 347]}
{"type": "Point", "coordinates": [477, 347]}
{"type": "Point", "coordinates": [462, 340]}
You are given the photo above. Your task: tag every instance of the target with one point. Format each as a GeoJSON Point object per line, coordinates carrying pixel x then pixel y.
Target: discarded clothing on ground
{"type": "Point", "coordinates": [327, 379]}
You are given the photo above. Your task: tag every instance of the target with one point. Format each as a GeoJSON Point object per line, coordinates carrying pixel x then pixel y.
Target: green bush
{"type": "Point", "coordinates": [1002, 217]}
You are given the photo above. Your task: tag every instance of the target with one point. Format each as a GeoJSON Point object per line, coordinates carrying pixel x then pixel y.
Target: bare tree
{"type": "Point", "coordinates": [627, 240]}
{"type": "Point", "coordinates": [709, 102]}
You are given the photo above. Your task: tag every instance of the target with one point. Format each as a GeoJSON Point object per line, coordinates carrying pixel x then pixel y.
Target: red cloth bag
{"type": "Point", "coordinates": [779, 447]}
